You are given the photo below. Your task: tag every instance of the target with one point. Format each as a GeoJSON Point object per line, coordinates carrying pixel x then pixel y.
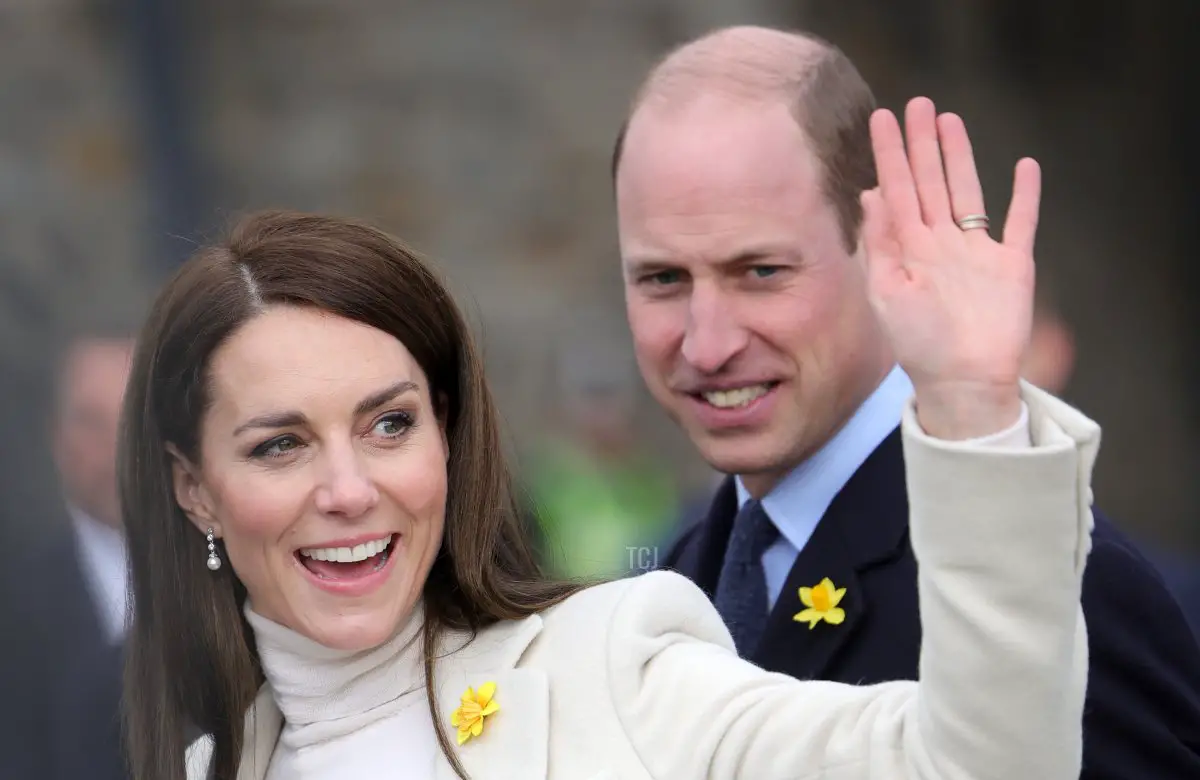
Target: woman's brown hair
{"type": "Point", "coordinates": [191, 661]}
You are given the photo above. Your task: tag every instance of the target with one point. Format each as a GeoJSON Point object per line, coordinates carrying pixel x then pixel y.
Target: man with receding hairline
{"type": "Point", "coordinates": [738, 178]}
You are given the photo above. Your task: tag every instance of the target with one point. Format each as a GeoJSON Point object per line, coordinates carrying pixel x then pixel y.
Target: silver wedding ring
{"type": "Point", "coordinates": [974, 222]}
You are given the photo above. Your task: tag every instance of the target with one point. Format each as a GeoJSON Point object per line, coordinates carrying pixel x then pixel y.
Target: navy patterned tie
{"type": "Point", "coordinates": [742, 589]}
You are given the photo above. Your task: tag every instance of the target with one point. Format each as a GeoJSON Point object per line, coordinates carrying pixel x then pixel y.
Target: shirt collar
{"type": "Point", "coordinates": [103, 554]}
{"type": "Point", "coordinates": [801, 498]}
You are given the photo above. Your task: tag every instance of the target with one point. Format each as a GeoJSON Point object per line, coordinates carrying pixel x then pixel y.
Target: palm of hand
{"type": "Point", "coordinates": [956, 305]}
{"type": "Point", "coordinates": [957, 309]}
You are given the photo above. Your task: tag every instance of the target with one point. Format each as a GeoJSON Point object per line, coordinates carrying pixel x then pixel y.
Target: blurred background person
{"type": "Point", "coordinates": [66, 594]}
{"type": "Point", "coordinates": [602, 501]}
{"type": "Point", "coordinates": [92, 378]}
{"type": "Point", "coordinates": [1050, 359]}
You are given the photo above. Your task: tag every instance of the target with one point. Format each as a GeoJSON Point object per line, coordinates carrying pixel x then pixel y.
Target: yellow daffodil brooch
{"type": "Point", "coordinates": [476, 705]}
{"type": "Point", "coordinates": [822, 603]}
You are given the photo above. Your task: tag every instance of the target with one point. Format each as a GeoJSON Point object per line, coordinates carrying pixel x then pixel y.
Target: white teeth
{"type": "Point", "coordinates": [347, 554]}
{"type": "Point", "coordinates": [729, 399]}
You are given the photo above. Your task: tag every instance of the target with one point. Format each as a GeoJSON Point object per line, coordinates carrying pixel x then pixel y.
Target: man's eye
{"type": "Point", "coordinates": [662, 277]}
{"type": "Point", "coordinates": [764, 271]}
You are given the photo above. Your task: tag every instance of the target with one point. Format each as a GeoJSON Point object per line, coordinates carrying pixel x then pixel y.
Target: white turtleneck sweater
{"type": "Point", "coordinates": [348, 716]}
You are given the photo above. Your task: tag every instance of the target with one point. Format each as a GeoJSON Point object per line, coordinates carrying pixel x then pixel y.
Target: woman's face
{"type": "Point", "coordinates": [323, 469]}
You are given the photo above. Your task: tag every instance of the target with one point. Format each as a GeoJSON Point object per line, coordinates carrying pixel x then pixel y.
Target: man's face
{"type": "Point", "coordinates": [94, 375]}
{"type": "Point", "coordinates": [750, 318]}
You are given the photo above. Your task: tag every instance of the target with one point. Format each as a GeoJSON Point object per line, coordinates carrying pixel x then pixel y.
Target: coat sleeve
{"type": "Point", "coordinates": [1001, 536]}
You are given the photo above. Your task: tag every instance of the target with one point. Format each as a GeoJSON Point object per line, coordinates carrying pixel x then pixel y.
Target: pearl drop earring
{"type": "Point", "coordinates": [214, 561]}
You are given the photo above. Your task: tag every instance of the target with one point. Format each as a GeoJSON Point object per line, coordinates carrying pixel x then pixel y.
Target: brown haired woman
{"type": "Point", "coordinates": [331, 580]}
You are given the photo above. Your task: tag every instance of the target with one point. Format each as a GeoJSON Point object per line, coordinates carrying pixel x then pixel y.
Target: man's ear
{"type": "Point", "coordinates": [190, 493]}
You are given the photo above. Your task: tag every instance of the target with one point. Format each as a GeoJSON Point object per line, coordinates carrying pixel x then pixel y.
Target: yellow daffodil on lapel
{"type": "Point", "coordinates": [822, 602]}
{"type": "Point", "coordinates": [476, 705]}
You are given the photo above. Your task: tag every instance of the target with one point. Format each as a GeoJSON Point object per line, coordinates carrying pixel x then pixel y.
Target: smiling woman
{"type": "Point", "coordinates": [322, 467]}
{"type": "Point", "coordinates": [331, 579]}
{"type": "Point", "coordinates": [306, 393]}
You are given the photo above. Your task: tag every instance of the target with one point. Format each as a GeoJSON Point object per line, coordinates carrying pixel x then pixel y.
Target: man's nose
{"type": "Point", "coordinates": [713, 336]}
{"type": "Point", "coordinates": [346, 489]}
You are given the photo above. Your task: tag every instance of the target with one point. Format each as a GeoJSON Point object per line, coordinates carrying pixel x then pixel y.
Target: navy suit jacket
{"type": "Point", "coordinates": [60, 677]}
{"type": "Point", "coordinates": [1182, 575]}
{"type": "Point", "coordinates": [1142, 714]}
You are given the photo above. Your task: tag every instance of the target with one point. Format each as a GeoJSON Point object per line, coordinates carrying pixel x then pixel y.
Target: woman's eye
{"type": "Point", "coordinates": [393, 425]}
{"type": "Point", "coordinates": [276, 447]}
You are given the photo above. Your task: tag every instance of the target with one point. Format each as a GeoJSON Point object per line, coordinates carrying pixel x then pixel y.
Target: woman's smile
{"type": "Point", "coordinates": [350, 568]}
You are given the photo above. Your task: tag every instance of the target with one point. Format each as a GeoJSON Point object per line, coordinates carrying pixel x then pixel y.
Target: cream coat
{"type": "Point", "coordinates": [637, 679]}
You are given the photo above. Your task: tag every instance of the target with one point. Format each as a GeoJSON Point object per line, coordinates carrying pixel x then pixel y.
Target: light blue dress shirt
{"type": "Point", "coordinates": [801, 498]}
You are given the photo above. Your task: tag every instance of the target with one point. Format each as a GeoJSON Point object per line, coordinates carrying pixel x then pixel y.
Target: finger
{"type": "Point", "coordinates": [1020, 227]}
{"type": "Point", "coordinates": [895, 177]}
{"type": "Point", "coordinates": [966, 194]}
{"type": "Point", "coordinates": [925, 155]}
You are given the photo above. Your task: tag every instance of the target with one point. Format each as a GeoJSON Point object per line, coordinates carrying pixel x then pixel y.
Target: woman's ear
{"type": "Point", "coordinates": [190, 493]}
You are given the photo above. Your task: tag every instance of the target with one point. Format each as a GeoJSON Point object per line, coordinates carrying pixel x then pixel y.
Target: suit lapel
{"type": "Point", "coordinates": [866, 524]}
{"type": "Point", "coordinates": [798, 648]}
{"type": "Point", "coordinates": [514, 744]}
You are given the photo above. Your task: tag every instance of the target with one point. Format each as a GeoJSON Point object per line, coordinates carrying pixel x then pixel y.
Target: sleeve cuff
{"type": "Point", "coordinates": [1016, 436]}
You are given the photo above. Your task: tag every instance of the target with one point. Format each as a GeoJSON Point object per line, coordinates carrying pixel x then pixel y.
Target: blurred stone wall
{"type": "Point", "coordinates": [70, 215]}
{"type": "Point", "coordinates": [480, 132]}
{"type": "Point", "coordinates": [477, 131]}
